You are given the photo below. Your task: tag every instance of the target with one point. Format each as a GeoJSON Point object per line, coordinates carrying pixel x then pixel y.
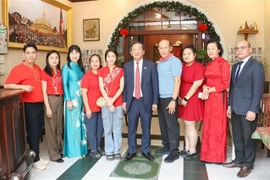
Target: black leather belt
{"type": "Point", "coordinates": [56, 95]}
{"type": "Point", "coordinates": [140, 99]}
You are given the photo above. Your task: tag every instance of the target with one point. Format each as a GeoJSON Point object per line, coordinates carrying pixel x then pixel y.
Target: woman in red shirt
{"type": "Point", "coordinates": [90, 94]}
{"type": "Point", "coordinates": [190, 108]}
{"type": "Point", "coordinates": [52, 88]}
{"type": "Point", "coordinates": [111, 83]}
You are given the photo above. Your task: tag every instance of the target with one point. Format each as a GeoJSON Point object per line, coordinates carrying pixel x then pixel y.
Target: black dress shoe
{"type": "Point", "coordinates": [60, 160]}
{"type": "Point", "coordinates": [244, 172]}
{"type": "Point", "coordinates": [148, 156]}
{"type": "Point", "coordinates": [129, 156]}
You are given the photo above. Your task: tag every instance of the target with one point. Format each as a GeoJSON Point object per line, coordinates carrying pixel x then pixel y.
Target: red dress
{"type": "Point", "coordinates": [194, 109]}
{"type": "Point", "coordinates": [215, 124]}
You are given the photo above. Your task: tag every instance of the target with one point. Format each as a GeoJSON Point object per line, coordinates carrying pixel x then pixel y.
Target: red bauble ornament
{"type": "Point", "coordinates": [124, 32]}
{"type": "Point", "coordinates": [202, 27]}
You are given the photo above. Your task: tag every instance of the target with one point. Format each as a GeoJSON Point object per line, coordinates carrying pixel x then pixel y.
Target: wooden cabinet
{"type": "Point", "coordinates": [15, 160]}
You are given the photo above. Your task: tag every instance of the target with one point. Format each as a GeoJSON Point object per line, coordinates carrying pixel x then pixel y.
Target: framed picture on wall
{"type": "Point", "coordinates": [48, 24]}
{"type": "Point", "coordinates": [91, 29]}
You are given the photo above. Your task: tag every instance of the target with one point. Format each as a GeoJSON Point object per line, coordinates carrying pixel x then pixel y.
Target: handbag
{"type": "Point", "coordinates": [101, 102]}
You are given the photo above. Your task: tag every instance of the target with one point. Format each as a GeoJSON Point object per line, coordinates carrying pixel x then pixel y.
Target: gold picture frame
{"type": "Point", "coordinates": [46, 30]}
{"type": "Point", "coordinates": [91, 29]}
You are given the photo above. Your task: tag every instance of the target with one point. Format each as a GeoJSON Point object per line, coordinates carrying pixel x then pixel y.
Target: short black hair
{"type": "Point", "coordinates": [191, 47]}
{"type": "Point", "coordinates": [29, 45]}
{"type": "Point", "coordinates": [219, 46]}
{"type": "Point", "coordinates": [136, 42]}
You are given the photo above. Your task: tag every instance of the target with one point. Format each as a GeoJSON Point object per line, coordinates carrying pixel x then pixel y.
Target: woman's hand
{"type": "Point", "coordinates": [110, 102]}
{"type": "Point", "coordinates": [179, 101]}
{"type": "Point", "coordinates": [49, 112]}
{"type": "Point", "coordinates": [184, 103]}
{"type": "Point", "coordinates": [111, 108]}
{"type": "Point", "coordinates": [69, 105]}
{"type": "Point", "coordinates": [88, 114]}
{"type": "Point", "coordinates": [205, 95]}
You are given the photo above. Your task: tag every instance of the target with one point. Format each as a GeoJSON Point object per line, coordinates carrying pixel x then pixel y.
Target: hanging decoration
{"type": "Point", "coordinates": [124, 32]}
{"type": "Point", "coordinates": [202, 27]}
{"type": "Point", "coordinates": [170, 6]}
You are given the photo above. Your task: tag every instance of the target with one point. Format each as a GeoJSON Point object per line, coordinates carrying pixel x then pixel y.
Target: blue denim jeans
{"type": "Point", "coordinates": [112, 123]}
{"type": "Point", "coordinates": [94, 130]}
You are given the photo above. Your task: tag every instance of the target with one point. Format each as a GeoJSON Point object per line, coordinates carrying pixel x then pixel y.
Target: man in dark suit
{"type": "Point", "coordinates": [246, 90]}
{"type": "Point", "coordinates": [140, 99]}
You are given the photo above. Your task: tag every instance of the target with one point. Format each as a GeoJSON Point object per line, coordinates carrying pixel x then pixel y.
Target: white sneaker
{"type": "Point", "coordinates": [44, 161]}
{"type": "Point", "coordinates": [38, 165]}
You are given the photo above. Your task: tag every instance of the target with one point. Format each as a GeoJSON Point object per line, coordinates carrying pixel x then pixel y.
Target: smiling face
{"type": "Point", "coordinates": [111, 58]}
{"type": "Point", "coordinates": [30, 55]}
{"type": "Point", "coordinates": [137, 51]}
{"type": "Point", "coordinates": [53, 60]}
{"type": "Point", "coordinates": [243, 49]}
{"type": "Point", "coordinates": [95, 63]}
{"type": "Point", "coordinates": [212, 50]}
{"type": "Point", "coordinates": [188, 56]}
{"type": "Point", "coordinates": [74, 56]}
{"type": "Point", "coordinates": [164, 48]}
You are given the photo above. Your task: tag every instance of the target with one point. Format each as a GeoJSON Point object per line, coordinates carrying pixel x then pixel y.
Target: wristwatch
{"type": "Point", "coordinates": [185, 99]}
{"type": "Point", "coordinates": [173, 99]}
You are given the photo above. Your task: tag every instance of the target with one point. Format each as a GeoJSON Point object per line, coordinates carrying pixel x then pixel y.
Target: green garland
{"type": "Point", "coordinates": [171, 6]}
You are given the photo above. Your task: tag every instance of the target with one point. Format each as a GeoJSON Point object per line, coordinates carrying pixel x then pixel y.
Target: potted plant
{"type": "Point", "coordinates": [202, 57]}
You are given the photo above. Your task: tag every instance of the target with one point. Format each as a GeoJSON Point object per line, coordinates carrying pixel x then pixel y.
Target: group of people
{"type": "Point", "coordinates": [176, 89]}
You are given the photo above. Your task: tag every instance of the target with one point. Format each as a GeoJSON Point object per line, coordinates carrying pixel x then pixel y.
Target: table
{"type": "Point", "coordinates": [263, 133]}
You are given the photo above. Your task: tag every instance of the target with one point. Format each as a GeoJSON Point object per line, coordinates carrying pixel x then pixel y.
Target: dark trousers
{"type": "Point", "coordinates": [94, 130]}
{"type": "Point", "coordinates": [169, 125]}
{"type": "Point", "coordinates": [34, 117]}
{"type": "Point", "coordinates": [137, 109]}
{"type": "Point", "coordinates": [245, 147]}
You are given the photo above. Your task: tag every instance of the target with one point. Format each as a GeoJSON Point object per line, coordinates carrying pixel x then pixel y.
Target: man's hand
{"type": "Point", "coordinates": [124, 106]}
{"type": "Point", "coordinates": [171, 107]}
{"type": "Point", "coordinates": [250, 116]}
{"type": "Point", "coordinates": [229, 113]}
{"type": "Point", "coordinates": [154, 107]}
{"type": "Point", "coordinates": [27, 88]}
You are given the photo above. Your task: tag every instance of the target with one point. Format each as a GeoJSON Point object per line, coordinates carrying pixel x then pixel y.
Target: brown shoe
{"type": "Point", "coordinates": [244, 172]}
{"type": "Point", "coordinates": [232, 165]}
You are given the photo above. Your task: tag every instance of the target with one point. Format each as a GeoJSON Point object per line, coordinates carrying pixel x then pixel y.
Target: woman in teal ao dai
{"type": "Point", "coordinates": [75, 139]}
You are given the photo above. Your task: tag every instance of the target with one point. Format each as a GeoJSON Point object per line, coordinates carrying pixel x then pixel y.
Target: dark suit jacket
{"type": "Point", "coordinates": [246, 93]}
{"type": "Point", "coordinates": [149, 84]}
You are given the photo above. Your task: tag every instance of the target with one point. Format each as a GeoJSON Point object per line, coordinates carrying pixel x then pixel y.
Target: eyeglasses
{"type": "Point", "coordinates": [240, 48]}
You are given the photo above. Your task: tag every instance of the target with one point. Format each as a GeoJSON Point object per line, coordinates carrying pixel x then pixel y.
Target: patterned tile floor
{"type": "Point", "coordinates": [91, 169]}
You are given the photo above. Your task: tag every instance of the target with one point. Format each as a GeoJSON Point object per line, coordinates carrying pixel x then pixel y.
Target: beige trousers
{"type": "Point", "coordinates": [54, 127]}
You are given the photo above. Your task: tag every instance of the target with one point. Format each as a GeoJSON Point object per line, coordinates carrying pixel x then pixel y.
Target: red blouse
{"type": "Point", "coordinates": [54, 82]}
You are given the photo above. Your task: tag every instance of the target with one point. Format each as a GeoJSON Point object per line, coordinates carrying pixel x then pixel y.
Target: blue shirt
{"type": "Point", "coordinates": [167, 70]}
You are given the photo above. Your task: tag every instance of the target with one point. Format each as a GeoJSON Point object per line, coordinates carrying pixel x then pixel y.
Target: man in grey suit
{"type": "Point", "coordinates": [246, 90]}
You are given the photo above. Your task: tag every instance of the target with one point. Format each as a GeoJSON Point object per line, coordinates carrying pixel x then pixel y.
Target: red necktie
{"type": "Point", "coordinates": [137, 82]}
